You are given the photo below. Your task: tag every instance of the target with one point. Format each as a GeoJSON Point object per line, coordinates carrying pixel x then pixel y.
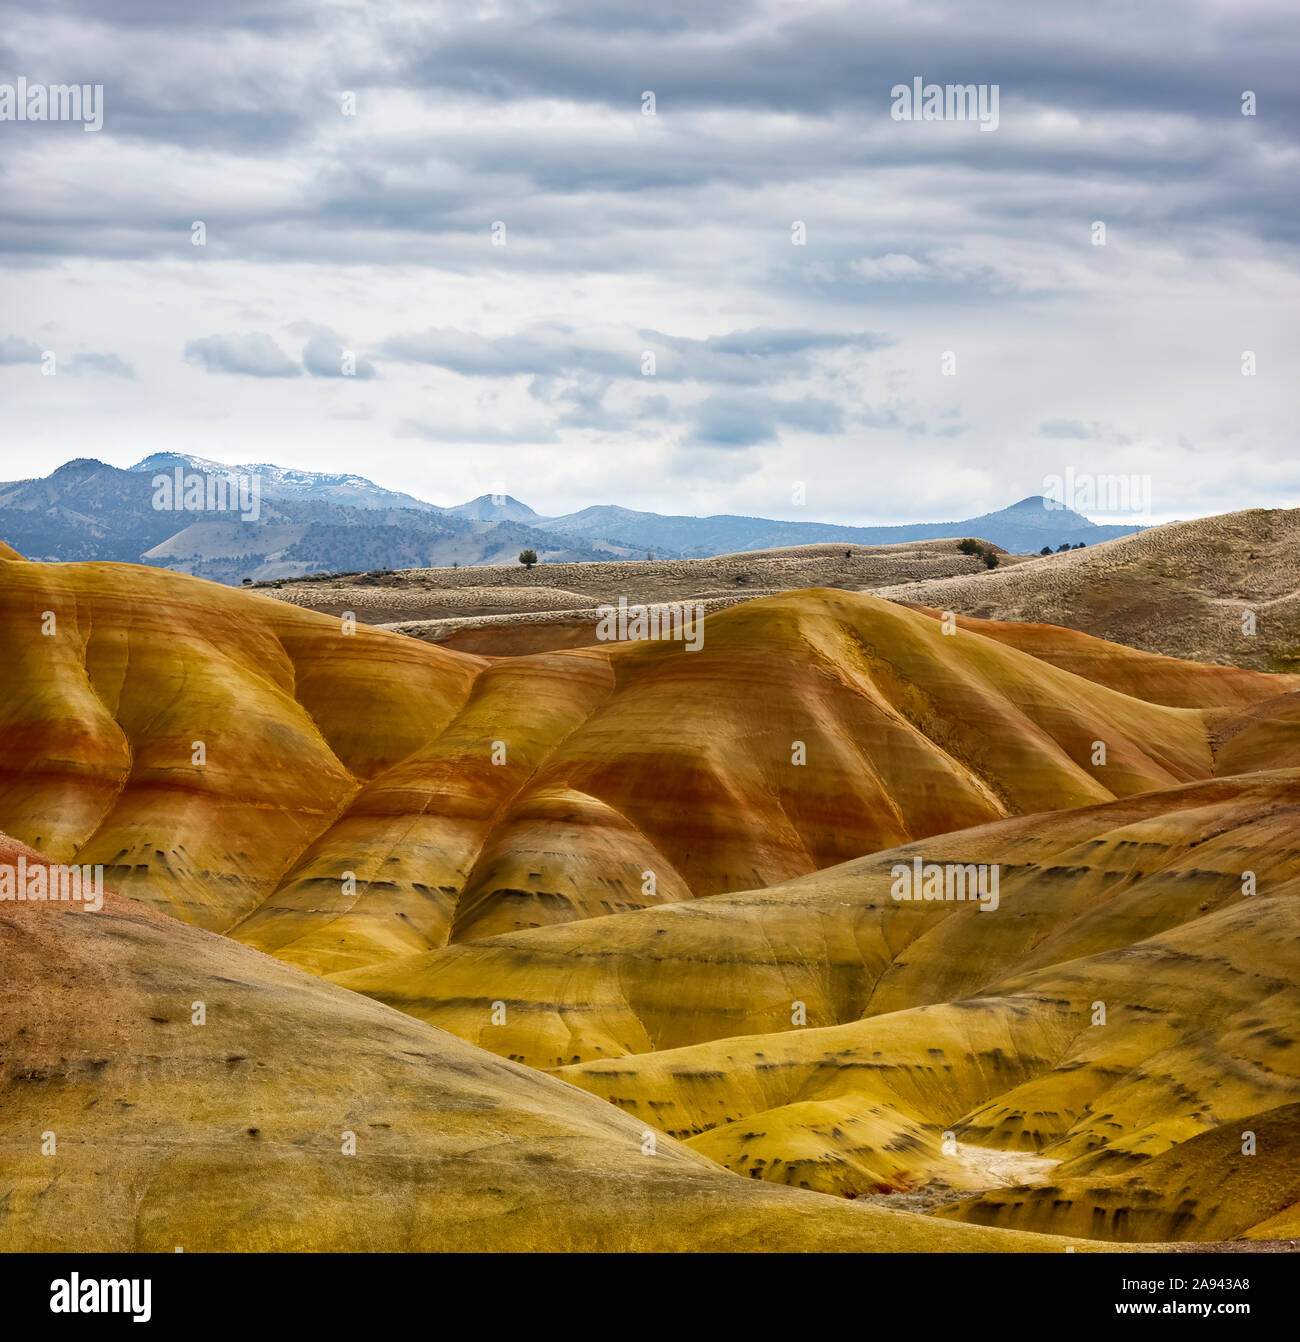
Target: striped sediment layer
{"type": "Point", "coordinates": [164, 1088]}
{"type": "Point", "coordinates": [342, 796]}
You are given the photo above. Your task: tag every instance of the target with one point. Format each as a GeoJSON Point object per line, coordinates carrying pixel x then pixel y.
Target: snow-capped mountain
{"type": "Point", "coordinates": [285, 482]}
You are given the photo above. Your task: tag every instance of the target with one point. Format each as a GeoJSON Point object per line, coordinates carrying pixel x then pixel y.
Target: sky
{"type": "Point", "coordinates": [757, 291]}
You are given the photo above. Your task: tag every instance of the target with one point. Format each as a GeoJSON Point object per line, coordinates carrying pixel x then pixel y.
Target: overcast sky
{"type": "Point", "coordinates": [520, 366]}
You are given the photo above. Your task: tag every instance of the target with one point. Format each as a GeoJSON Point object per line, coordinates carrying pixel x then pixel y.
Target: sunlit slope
{"type": "Point", "coordinates": [191, 738]}
{"type": "Point", "coordinates": [412, 837]}
{"type": "Point", "coordinates": [1099, 1064]}
{"type": "Point", "coordinates": [1145, 675]}
{"type": "Point", "coordinates": [340, 798]}
{"type": "Point", "coordinates": [1070, 883]}
{"type": "Point", "coordinates": [1266, 736]}
{"type": "Point", "coordinates": [1236, 1180]}
{"type": "Point", "coordinates": [124, 1125]}
{"type": "Point", "coordinates": [809, 728]}
{"type": "Point", "coordinates": [8, 552]}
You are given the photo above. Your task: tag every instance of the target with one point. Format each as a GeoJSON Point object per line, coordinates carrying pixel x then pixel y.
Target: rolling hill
{"type": "Point", "coordinates": [292, 1116]}
{"type": "Point", "coordinates": [1185, 589]}
{"type": "Point", "coordinates": [340, 797]}
{"type": "Point", "coordinates": [608, 945]}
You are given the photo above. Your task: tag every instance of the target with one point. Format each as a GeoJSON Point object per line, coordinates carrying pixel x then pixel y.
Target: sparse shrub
{"type": "Point", "coordinates": [970, 546]}
{"type": "Point", "coordinates": [1060, 549]}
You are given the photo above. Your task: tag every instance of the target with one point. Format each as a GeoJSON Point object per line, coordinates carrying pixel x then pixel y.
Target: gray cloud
{"type": "Point", "coordinates": [99, 365]}
{"type": "Point", "coordinates": [474, 433]}
{"type": "Point", "coordinates": [253, 354]}
{"type": "Point", "coordinates": [728, 420]}
{"type": "Point", "coordinates": [672, 234]}
{"type": "Point", "coordinates": [322, 356]}
{"type": "Point", "coordinates": [14, 349]}
{"type": "Point", "coordinates": [549, 351]}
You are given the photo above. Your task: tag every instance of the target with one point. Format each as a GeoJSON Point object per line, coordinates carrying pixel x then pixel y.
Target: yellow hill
{"type": "Point", "coordinates": [1193, 1033]}
{"type": "Point", "coordinates": [1236, 1180]}
{"type": "Point", "coordinates": [1070, 884]}
{"type": "Point", "coordinates": [343, 798]}
{"type": "Point", "coordinates": [1145, 675]}
{"type": "Point", "coordinates": [230, 1135]}
{"type": "Point", "coordinates": [193, 739]}
{"type": "Point", "coordinates": [809, 728]}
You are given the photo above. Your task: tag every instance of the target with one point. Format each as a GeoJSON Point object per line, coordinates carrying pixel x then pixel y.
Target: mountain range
{"type": "Point", "coordinates": [312, 522]}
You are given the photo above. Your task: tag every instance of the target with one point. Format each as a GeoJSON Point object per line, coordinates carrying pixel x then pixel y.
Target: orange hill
{"type": "Point", "coordinates": [342, 798]}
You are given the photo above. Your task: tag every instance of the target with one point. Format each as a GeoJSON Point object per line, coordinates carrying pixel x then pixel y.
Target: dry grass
{"type": "Point", "coordinates": [1180, 589]}
{"type": "Point", "coordinates": [443, 604]}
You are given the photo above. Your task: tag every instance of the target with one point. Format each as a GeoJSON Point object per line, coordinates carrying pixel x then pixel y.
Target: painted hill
{"type": "Point", "coordinates": [193, 738]}
{"type": "Point", "coordinates": [667, 872]}
{"type": "Point", "coordinates": [1210, 1187]}
{"type": "Point", "coordinates": [1071, 884]}
{"type": "Point", "coordinates": [1106, 1034]}
{"type": "Point", "coordinates": [1195, 1035]}
{"type": "Point", "coordinates": [340, 798]}
{"type": "Point", "coordinates": [230, 1134]}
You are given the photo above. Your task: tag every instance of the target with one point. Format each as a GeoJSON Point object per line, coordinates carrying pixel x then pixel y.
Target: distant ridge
{"type": "Point", "coordinates": [322, 522]}
{"type": "Point", "coordinates": [303, 523]}
{"type": "Point", "coordinates": [496, 508]}
{"type": "Point", "coordinates": [1023, 528]}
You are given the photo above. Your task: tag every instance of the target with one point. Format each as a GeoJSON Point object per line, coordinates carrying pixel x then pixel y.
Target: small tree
{"type": "Point", "coordinates": [1060, 549]}
{"type": "Point", "coordinates": [969, 546]}
{"type": "Point", "coordinates": [528, 558]}
{"type": "Point", "coordinates": [990, 558]}
{"type": "Point", "coordinates": [1046, 550]}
